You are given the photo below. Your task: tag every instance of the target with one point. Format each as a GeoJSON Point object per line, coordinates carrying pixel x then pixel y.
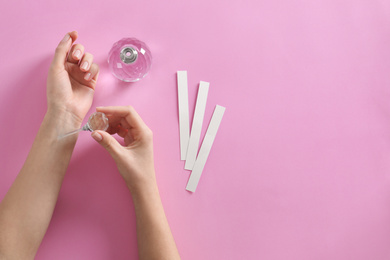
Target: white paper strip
{"type": "Point", "coordinates": [184, 122]}
{"type": "Point", "coordinates": [197, 122]}
{"type": "Point", "coordinates": [205, 148]}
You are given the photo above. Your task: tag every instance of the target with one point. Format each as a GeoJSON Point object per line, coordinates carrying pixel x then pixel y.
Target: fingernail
{"type": "Point", "coordinates": [87, 76]}
{"type": "Point", "coordinates": [98, 137]}
{"type": "Point", "coordinates": [85, 65]}
{"type": "Point", "coordinates": [66, 38]}
{"type": "Point", "coordinates": [77, 54]}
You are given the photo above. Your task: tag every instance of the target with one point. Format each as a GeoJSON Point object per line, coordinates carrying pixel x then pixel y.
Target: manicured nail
{"type": "Point", "coordinates": [85, 65]}
{"type": "Point", "coordinates": [87, 76]}
{"type": "Point", "coordinates": [96, 136]}
{"type": "Point", "coordinates": [66, 38]}
{"type": "Point", "coordinates": [77, 54]}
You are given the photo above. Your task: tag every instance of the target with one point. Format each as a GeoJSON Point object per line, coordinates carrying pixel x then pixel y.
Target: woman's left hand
{"type": "Point", "coordinates": [71, 81]}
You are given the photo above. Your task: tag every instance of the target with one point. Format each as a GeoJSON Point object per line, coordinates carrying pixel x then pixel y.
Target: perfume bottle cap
{"type": "Point", "coordinates": [129, 59]}
{"type": "Point", "coordinates": [129, 55]}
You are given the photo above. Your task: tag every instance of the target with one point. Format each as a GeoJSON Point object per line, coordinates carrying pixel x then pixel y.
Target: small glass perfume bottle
{"type": "Point", "coordinates": [97, 121]}
{"type": "Point", "coordinates": [129, 59]}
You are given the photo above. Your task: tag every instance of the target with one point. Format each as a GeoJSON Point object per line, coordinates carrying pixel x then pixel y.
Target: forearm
{"type": "Point", "coordinates": [27, 208]}
{"type": "Point", "coordinates": [135, 163]}
{"type": "Point", "coordinates": [155, 240]}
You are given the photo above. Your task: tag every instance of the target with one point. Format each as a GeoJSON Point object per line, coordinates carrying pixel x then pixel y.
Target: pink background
{"type": "Point", "coordinates": [300, 168]}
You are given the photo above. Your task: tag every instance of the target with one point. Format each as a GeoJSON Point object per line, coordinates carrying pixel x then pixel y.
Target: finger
{"type": "Point", "coordinates": [62, 49]}
{"type": "Point", "coordinates": [108, 142]}
{"type": "Point", "coordinates": [128, 140]}
{"type": "Point", "coordinates": [113, 124]}
{"type": "Point", "coordinates": [76, 53]}
{"type": "Point", "coordinates": [86, 62]}
{"type": "Point", "coordinates": [127, 112]}
{"type": "Point", "coordinates": [124, 123]}
{"type": "Point", "coordinates": [112, 129]}
{"type": "Point", "coordinates": [118, 125]}
{"type": "Point", "coordinates": [117, 129]}
{"type": "Point", "coordinates": [92, 73]}
{"type": "Point", "coordinates": [122, 132]}
{"type": "Point", "coordinates": [96, 70]}
{"type": "Point", "coordinates": [117, 121]}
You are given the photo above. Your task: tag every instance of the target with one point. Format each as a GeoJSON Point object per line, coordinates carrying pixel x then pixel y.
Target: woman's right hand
{"type": "Point", "coordinates": [134, 160]}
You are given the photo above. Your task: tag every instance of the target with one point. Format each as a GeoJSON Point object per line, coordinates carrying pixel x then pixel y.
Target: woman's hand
{"type": "Point", "coordinates": [71, 81]}
{"type": "Point", "coordinates": [135, 159]}
{"type": "Point", "coordinates": [135, 163]}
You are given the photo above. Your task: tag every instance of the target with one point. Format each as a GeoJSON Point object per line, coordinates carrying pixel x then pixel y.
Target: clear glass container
{"type": "Point", "coordinates": [129, 59]}
{"type": "Point", "coordinates": [97, 121]}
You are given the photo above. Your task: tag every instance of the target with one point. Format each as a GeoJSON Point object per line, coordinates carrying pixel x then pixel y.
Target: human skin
{"type": "Point", "coordinates": [135, 163]}
{"type": "Point", "coordinates": [27, 208]}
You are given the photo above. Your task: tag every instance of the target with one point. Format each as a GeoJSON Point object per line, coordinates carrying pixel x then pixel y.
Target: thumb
{"type": "Point", "coordinates": [107, 141]}
{"type": "Point", "coordinates": [63, 49]}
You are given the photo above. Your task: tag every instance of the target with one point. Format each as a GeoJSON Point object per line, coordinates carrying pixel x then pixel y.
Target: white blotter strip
{"type": "Point", "coordinates": [184, 121]}
{"type": "Point", "coordinates": [197, 122]}
{"type": "Point", "coordinates": [205, 148]}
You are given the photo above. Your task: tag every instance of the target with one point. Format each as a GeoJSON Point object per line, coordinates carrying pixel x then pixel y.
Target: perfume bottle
{"type": "Point", "coordinates": [97, 121]}
{"type": "Point", "coordinates": [129, 59]}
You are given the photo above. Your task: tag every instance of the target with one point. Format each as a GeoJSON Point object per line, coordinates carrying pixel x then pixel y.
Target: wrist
{"type": "Point", "coordinates": [57, 123]}
{"type": "Point", "coordinates": [61, 120]}
{"type": "Point", "coordinates": [144, 191]}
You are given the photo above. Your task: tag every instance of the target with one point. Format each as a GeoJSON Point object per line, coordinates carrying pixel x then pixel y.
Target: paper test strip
{"type": "Point", "coordinates": [184, 122]}
{"type": "Point", "coordinates": [197, 122]}
{"type": "Point", "coordinates": [205, 148]}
